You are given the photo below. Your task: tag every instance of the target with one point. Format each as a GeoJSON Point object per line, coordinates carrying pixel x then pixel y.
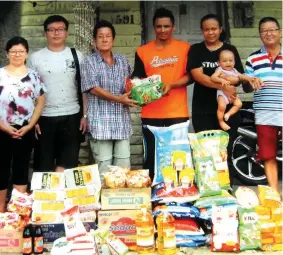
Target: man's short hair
{"type": "Point", "coordinates": [268, 19]}
{"type": "Point", "coordinates": [101, 24]}
{"type": "Point", "coordinates": [55, 18]}
{"type": "Point", "coordinates": [163, 13]}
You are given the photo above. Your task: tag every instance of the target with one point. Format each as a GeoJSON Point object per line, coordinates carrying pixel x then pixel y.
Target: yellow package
{"type": "Point", "coordinates": [278, 237]}
{"type": "Point", "coordinates": [267, 226]}
{"type": "Point", "coordinates": [52, 195]}
{"type": "Point", "coordinates": [268, 197]}
{"type": "Point", "coordinates": [276, 214]}
{"type": "Point", "coordinates": [47, 217]}
{"type": "Point", "coordinates": [186, 177]}
{"type": "Point", "coordinates": [48, 206]}
{"type": "Point", "coordinates": [82, 176]}
{"type": "Point", "coordinates": [179, 160]}
{"type": "Point", "coordinates": [169, 177]}
{"type": "Point", "coordinates": [87, 200]}
{"type": "Point", "coordinates": [47, 181]}
{"type": "Point", "coordinates": [279, 228]}
{"type": "Point", "coordinates": [267, 240]}
{"type": "Point", "coordinates": [264, 213]}
{"type": "Point", "coordinates": [272, 247]}
{"type": "Point", "coordinates": [81, 191]}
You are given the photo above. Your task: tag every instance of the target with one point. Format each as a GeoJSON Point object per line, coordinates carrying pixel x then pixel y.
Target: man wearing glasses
{"type": "Point", "coordinates": [61, 124]}
{"type": "Point", "coordinates": [266, 64]}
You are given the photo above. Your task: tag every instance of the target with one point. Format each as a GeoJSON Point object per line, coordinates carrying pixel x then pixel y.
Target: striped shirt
{"type": "Point", "coordinates": [107, 120]}
{"type": "Point", "coordinates": [267, 100]}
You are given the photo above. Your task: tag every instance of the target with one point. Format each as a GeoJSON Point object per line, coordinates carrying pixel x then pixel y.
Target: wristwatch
{"type": "Point", "coordinates": [85, 116]}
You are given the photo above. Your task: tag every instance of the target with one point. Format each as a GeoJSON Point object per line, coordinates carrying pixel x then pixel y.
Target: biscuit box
{"type": "Point", "coordinates": [52, 232]}
{"type": "Point", "coordinates": [125, 198]}
{"type": "Point", "coordinates": [121, 223]}
{"type": "Point", "coordinates": [11, 241]}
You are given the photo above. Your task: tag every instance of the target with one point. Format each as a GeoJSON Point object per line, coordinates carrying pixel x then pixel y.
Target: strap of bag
{"type": "Point", "coordinates": [78, 77]}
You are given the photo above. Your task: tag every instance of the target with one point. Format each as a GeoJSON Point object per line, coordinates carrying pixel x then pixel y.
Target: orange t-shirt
{"type": "Point", "coordinates": [170, 62]}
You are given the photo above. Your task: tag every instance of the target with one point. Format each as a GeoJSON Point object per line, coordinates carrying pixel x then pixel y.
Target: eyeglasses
{"type": "Point", "coordinates": [56, 30]}
{"type": "Point", "coordinates": [15, 52]}
{"type": "Point", "coordinates": [271, 31]}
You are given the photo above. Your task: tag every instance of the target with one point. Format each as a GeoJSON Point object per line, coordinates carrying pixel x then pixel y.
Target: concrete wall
{"type": "Point", "coordinates": [247, 39]}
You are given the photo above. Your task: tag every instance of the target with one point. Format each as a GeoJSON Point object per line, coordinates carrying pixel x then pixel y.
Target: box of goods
{"type": "Point", "coordinates": [122, 223]}
{"type": "Point", "coordinates": [125, 198]}
{"type": "Point", "coordinates": [83, 176]}
{"type": "Point", "coordinates": [11, 241]}
{"type": "Point", "coordinates": [52, 232]}
{"type": "Point", "coordinates": [51, 181]}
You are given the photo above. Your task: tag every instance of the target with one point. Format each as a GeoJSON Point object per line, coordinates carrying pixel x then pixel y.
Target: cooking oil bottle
{"type": "Point", "coordinates": [166, 239]}
{"type": "Point", "coordinates": [145, 231]}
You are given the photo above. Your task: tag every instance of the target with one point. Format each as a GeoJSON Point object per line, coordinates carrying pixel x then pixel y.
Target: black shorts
{"type": "Point", "coordinates": [58, 144]}
{"type": "Point", "coordinates": [15, 153]}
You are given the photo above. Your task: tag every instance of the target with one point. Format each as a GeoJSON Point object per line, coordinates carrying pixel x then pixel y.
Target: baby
{"type": "Point", "coordinates": [226, 68]}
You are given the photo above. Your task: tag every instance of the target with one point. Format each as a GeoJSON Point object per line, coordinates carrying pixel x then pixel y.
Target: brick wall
{"type": "Point", "coordinates": [247, 39]}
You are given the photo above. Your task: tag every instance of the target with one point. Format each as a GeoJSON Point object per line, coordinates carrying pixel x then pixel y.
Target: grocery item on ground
{"type": "Point", "coordinates": [115, 177]}
{"type": "Point", "coordinates": [249, 229]}
{"type": "Point", "coordinates": [225, 229]}
{"type": "Point", "coordinates": [138, 179]}
{"type": "Point", "coordinates": [246, 197]}
{"type": "Point", "coordinates": [82, 176]}
{"type": "Point", "coordinates": [264, 213]}
{"type": "Point", "coordinates": [47, 217]}
{"type": "Point", "coordinates": [147, 90]}
{"type": "Point", "coordinates": [145, 231]}
{"type": "Point", "coordinates": [72, 223]}
{"type": "Point", "coordinates": [182, 211]}
{"type": "Point", "coordinates": [173, 171]}
{"type": "Point", "coordinates": [166, 234]}
{"type": "Point", "coordinates": [48, 206]}
{"type": "Point", "coordinates": [268, 197]}
{"type": "Point", "coordinates": [20, 203]}
{"type": "Point", "coordinates": [52, 195]}
{"type": "Point", "coordinates": [51, 181]}
{"type": "Point", "coordinates": [213, 143]}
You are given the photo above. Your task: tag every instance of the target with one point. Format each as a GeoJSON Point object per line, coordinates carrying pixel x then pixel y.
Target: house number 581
{"type": "Point", "coordinates": [123, 19]}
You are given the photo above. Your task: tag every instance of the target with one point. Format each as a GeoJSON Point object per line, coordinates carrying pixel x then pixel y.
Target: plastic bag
{"type": "Point", "coordinates": [249, 229]}
{"type": "Point", "coordinates": [72, 223]}
{"type": "Point", "coordinates": [173, 171]}
{"type": "Point", "coordinates": [183, 211]}
{"type": "Point", "coordinates": [225, 229]}
{"type": "Point", "coordinates": [246, 197]}
{"type": "Point", "coordinates": [115, 177]}
{"type": "Point", "coordinates": [213, 143]}
{"type": "Point", "coordinates": [147, 90]}
{"type": "Point", "coordinates": [138, 179]}
{"type": "Point", "coordinates": [268, 197]}
{"type": "Point", "coordinates": [20, 203]}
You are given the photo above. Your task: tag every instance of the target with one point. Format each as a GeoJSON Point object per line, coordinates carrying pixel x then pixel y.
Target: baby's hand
{"type": "Point", "coordinates": [225, 83]}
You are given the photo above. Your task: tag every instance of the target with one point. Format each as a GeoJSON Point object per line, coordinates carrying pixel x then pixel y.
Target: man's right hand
{"type": "Point", "coordinates": [37, 131]}
{"type": "Point", "coordinates": [124, 99]}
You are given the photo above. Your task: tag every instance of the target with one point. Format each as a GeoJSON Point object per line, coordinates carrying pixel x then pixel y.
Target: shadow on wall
{"type": "Point", "coordinates": [9, 25]}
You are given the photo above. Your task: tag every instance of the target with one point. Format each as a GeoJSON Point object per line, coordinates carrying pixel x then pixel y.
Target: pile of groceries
{"type": "Point", "coordinates": [187, 205]}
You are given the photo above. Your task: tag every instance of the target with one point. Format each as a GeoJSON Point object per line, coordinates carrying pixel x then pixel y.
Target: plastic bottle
{"type": "Point", "coordinates": [145, 232]}
{"type": "Point", "coordinates": [166, 239]}
{"type": "Point", "coordinates": [38, 238]}
{"type": "Point", "coordinates": [27, 240]}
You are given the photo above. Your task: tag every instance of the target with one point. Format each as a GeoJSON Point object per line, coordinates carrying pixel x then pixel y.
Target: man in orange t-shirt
{"type": "Point", "coordinates": [168, 57]}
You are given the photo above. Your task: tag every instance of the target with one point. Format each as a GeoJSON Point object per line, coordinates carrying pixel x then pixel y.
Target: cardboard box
{"type": "Point", "coordinates": [52, 232]}
{"type": "Point", "coordinates": [125, 198]}
{"type": "Point", "coordinates": [11, 241]}
{"type": "Point", "coordinates": [122, 223]}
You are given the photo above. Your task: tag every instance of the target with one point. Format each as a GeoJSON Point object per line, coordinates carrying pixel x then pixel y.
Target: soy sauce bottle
{"type": "Point", "coordinates": [27, 240]}
{"type": "Point", "coordinates": [37, 238]}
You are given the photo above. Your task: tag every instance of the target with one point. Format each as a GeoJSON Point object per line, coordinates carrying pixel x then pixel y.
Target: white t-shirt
{"type": "Point", "coordinates": [58, 71]}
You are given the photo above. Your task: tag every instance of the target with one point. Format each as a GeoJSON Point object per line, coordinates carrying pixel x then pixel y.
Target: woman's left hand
{"type": "Point", "coordinates": [22, 131]}
{"type": "Point", "coordinates": [83, 125]}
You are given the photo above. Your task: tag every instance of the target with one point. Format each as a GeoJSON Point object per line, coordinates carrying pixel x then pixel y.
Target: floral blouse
{"type": "Point", "coordinates": [18, 95]}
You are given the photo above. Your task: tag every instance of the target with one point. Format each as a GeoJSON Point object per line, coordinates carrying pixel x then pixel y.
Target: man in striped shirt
{"type": "Point", "coordinates": [266, 64]}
